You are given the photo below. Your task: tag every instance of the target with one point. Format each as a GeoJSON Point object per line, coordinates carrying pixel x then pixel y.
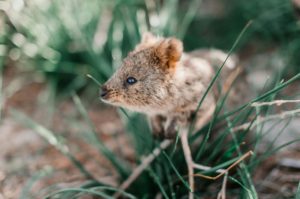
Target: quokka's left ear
{"type": "Point", "coordinates": [148, 40]}
{"type": "Point", "coordinates": [169, 52]}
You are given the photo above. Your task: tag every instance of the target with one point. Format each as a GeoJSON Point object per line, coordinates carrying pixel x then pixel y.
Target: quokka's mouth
{"type": "Point", "coordinates": [106, 98]}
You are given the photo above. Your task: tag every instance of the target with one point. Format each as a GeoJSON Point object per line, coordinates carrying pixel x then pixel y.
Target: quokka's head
{"type": "Point", "coordinates": [142, 83]}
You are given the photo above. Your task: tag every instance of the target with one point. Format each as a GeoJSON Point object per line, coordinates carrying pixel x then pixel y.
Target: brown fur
{"type": "Point", "coordinates": [169, 84]}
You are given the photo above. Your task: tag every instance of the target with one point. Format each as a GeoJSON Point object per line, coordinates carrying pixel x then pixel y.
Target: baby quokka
{"type": "Point", "coordinates": [157, 78]}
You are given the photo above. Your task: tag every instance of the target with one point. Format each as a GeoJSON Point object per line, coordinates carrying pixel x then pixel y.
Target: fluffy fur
{"type": "Point", "coordinates": [169, 84]}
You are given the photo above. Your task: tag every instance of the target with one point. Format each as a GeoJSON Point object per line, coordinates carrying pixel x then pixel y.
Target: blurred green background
{"type": "Point", "coordinates": [65, 40]}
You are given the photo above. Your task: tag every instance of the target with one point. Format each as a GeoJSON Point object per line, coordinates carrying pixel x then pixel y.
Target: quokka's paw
{"type": "Point", "coordinates": [171, 132]}
{"type": "Point", "coordinates": [158, 134]}
{"type": "Point", "coordinates": [157, 127]}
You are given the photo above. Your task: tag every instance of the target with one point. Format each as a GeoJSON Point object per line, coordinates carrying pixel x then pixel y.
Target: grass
{"type": "Point", "coordinates": [298, 192]}
{"type": "Point", "coordinates": [64, 42]}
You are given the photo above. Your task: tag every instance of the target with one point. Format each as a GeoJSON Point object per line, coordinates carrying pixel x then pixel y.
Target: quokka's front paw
{"type": "Point", "coordinates": [170, 133]}
{"type": "Point", "coordinates": [157, 126]}
{"type": "Point", "coordinates": [171, 130]}
{"type": "Point", "coordinates": [158, 134]}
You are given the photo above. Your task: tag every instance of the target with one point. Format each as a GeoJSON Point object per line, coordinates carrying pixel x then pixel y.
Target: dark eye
{"type": "Point", "coordinates": [131, 80]}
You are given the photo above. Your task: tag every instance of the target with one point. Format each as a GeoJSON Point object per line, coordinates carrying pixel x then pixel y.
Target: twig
{"type": "Point", "coordinates": [276, 102]}
{"type": "Point", "coordinates": [188, 160]}
{"type": "Point", "coordinates": [145, 163]}
{"type": "Point", "coordinates": [282, 115]}
{"type": "Point", "coordinates": [246, 155]}
{"type": "Point", "coordinates": [222, 193]}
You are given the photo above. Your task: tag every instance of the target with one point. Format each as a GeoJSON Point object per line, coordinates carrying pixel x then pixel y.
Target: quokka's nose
{"type": "Point", "coordinates": [103, 91]}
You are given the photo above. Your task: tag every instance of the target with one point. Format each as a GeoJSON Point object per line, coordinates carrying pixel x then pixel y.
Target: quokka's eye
{"type": "Point", "coordinates": [131, 80]}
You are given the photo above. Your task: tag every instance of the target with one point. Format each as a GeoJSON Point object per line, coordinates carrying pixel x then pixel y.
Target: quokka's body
{"type": "Point", "coordinates": [162, 81]}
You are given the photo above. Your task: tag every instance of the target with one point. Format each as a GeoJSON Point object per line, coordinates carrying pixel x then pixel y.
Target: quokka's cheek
{"type": "Point", "coordinates": [116, 98]}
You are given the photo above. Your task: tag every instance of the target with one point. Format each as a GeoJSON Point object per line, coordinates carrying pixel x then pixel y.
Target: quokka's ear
{"type": "Point", "coordinates": [148, 37]}
{"type": "Point", "coordinates": [169, 52]}
{"type": "Point", "coordinates": [148, 40]}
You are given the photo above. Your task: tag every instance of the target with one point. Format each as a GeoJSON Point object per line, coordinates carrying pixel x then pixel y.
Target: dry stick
{"type": "Point", "coordinates": [191, 165]}
{"type": "Point", "coordinates": [282, 115]}
{"type": "Point", "coordinates": [187, 151]}
{"type": "Point", "coordinates": [188, 159]}
{"type": "Point", "coordinates": [145, 163]}
{"type": "Point", "coordinates": [222, 193]}
{"type": "Point", "coordinates": [246, 155]}
{"type": "Point", "coordinates": [276, 102]}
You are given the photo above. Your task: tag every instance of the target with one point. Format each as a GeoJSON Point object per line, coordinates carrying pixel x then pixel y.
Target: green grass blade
{"type": "Point", "coordinates": [220, 166]}
{"type": "Point", "coordinates": [246, 177]}
{"type": "Point", "coordinates": [242, 185]}
{"type": "Point", "coordinates": [207, 135]}
{"type": "Point", "coordinates": [25, 194]}
{"type": "Point", "coordinates": [176, 171]}
{"type": "Point", "coordinates": [169, 179]}
{"type": "Point", "coordinates": [277, 88]}
{"type": "Point", "coordinates": [219, 71]}
{"type": "Point", "coordinates": [158, 182]}
{"type": "Point", "coordinates": [188, 18]}
{"type": "Point", "coordinates": [218, 109]}
{"type": "Point", "coordinates": [271, 152]}
{"type": "Point", "coordinates": [243, 172]}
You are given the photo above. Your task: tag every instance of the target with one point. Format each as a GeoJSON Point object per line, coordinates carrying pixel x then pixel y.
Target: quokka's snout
{"type": "Point", "coordinates": [103, 92]}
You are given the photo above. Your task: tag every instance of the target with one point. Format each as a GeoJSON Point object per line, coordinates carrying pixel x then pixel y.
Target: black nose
{"type": "Point", "coordinates": [103, 91]}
